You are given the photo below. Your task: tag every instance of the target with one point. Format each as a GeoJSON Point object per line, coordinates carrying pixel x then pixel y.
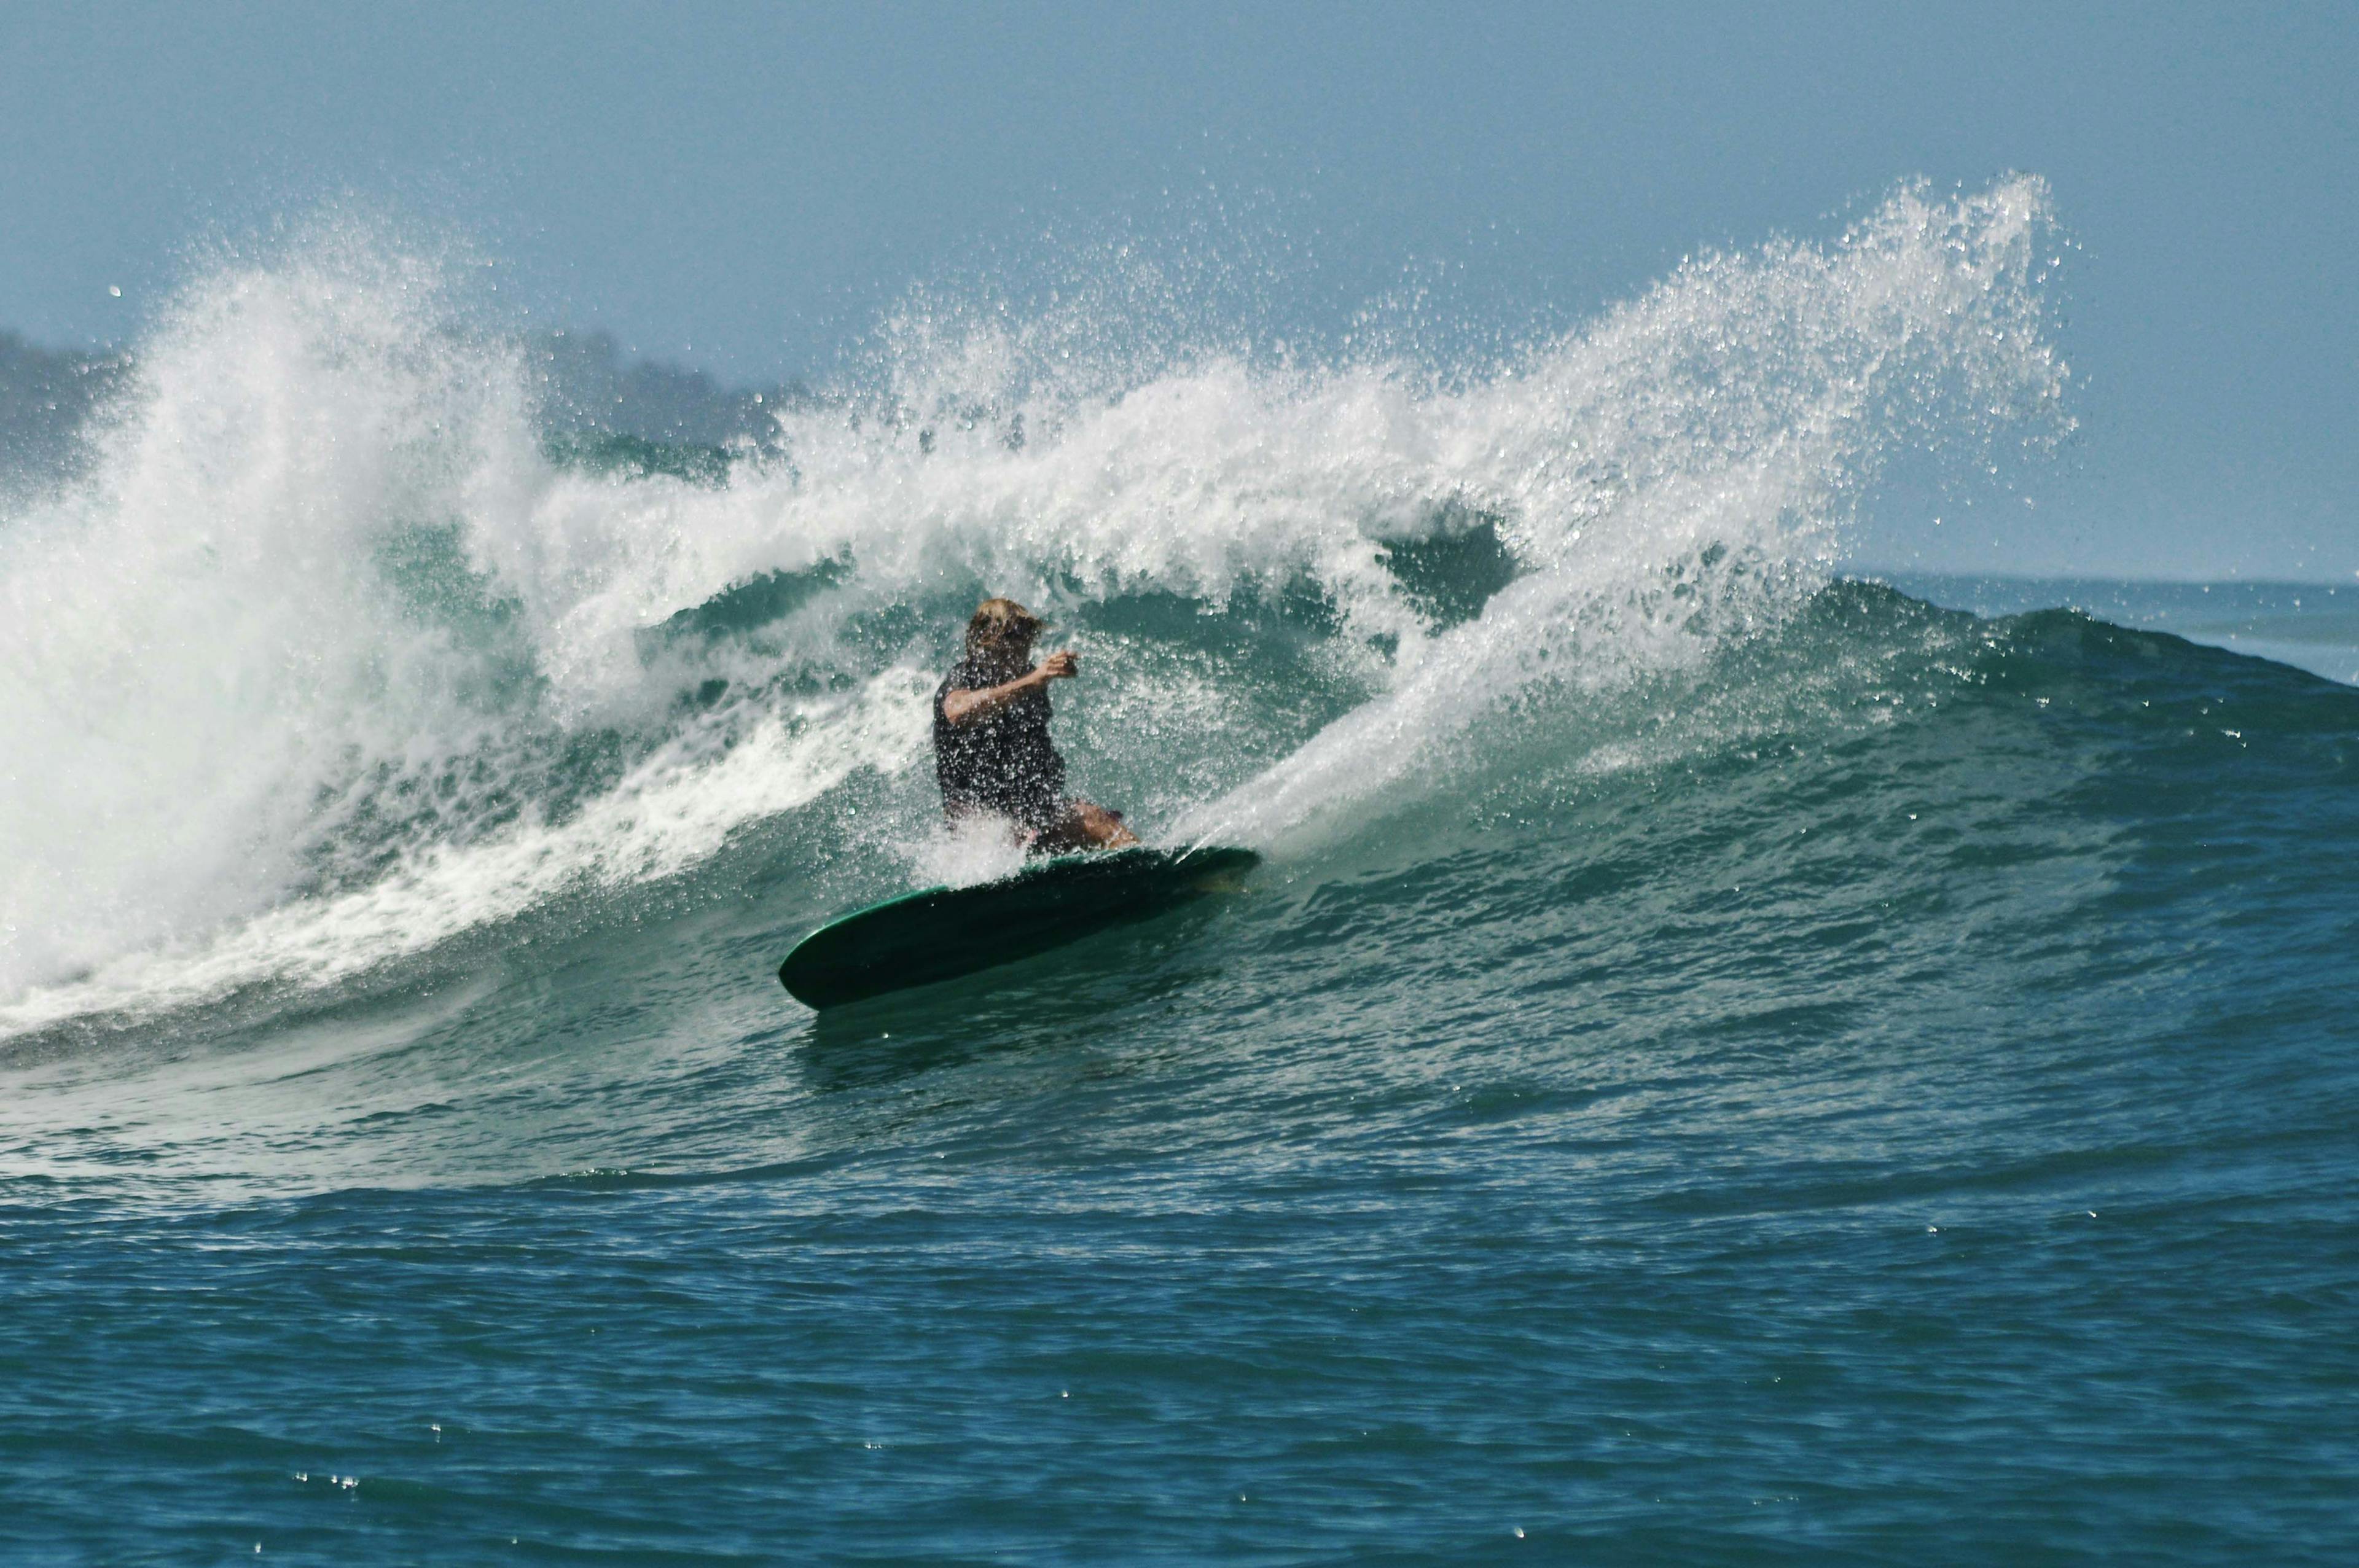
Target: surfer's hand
{"type": "Point", "coordinates": [1059, 667]}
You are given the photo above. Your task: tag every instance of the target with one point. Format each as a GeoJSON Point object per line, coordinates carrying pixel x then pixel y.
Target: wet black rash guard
{"type": "Point", "coordinates": [1003, 762]}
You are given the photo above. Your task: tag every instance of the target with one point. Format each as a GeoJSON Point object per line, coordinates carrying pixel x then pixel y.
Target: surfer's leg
{"type": "Point", "coordinates": [1105, 828]}
{"type": "Point", "coordinates": [1085, 825]}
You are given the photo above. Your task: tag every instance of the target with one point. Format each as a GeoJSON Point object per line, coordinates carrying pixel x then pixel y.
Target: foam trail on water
{"type": "Point", "coordinates": [328, 663]}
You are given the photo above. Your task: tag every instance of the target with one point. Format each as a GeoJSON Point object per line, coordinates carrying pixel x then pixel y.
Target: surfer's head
{"type": "Point", "coordinates": [1001, 628]}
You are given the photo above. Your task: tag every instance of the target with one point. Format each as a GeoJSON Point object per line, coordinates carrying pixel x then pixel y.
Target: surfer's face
{"type": "Point", "coordinates": [1013, 646]}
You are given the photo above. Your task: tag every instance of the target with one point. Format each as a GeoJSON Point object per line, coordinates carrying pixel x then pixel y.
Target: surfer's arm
{"type": "Point", "coordinates": [965, 707]}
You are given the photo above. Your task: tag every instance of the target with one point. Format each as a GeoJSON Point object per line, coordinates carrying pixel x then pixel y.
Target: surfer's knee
{"type": "Point", "coordinates": [1105, 827]}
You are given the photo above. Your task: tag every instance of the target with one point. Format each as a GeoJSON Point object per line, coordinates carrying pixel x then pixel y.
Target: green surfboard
{"type": "Point", "coordinates": [941, 933]}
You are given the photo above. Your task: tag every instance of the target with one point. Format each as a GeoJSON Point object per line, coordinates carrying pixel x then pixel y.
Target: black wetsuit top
{"type": "Point", "coordinates": [1003, 763]}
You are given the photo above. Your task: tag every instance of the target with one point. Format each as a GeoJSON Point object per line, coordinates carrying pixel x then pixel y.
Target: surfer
{"type": "Point", "coordinates": [991, 750]}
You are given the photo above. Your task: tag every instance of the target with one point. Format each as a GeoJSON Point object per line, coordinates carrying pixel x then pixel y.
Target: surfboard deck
{"type": "Point", "coordinates": [942, 933]}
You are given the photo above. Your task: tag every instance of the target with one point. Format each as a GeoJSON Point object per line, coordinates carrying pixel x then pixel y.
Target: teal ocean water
{"type": "Point", "coordinates": [1725, 1058]}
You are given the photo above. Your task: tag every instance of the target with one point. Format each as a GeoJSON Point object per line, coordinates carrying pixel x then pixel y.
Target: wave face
{"type": "Point", "coordinates": [1721, 1062]}
{"type": "Point", "coordinates": [334, 661]}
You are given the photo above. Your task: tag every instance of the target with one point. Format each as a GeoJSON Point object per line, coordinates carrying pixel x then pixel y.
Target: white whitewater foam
{"type": "Point", "coordinates": [195, 664]}
{"type": "Point", "coordinates": [670, 814]}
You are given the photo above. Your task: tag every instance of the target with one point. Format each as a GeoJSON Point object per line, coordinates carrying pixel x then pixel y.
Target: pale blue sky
{"type": "Point", "coordinates": [742, 187]}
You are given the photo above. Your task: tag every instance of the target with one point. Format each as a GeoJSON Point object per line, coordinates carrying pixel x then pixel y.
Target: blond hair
{"type": "Point", "coordinates": [995, 620]}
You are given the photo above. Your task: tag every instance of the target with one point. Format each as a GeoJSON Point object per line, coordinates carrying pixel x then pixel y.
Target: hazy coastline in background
{"type": "Point", "coordinates": [594, 387]}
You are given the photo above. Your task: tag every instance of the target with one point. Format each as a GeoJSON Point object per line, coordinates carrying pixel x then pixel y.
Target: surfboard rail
{"type": "Point", "coordinates": [944, 933]}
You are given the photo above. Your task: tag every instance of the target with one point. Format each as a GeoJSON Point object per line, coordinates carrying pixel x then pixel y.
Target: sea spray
{"type": "Point", "coordinates": [1679, 471]}
{"type": "Point", "coordinates": [207, 671]}
{"type": "Point", "coordinates": [331, 661]}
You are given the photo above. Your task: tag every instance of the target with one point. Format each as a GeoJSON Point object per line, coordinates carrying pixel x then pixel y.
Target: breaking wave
{"type": "Point", "coordinates": [333, 657]}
